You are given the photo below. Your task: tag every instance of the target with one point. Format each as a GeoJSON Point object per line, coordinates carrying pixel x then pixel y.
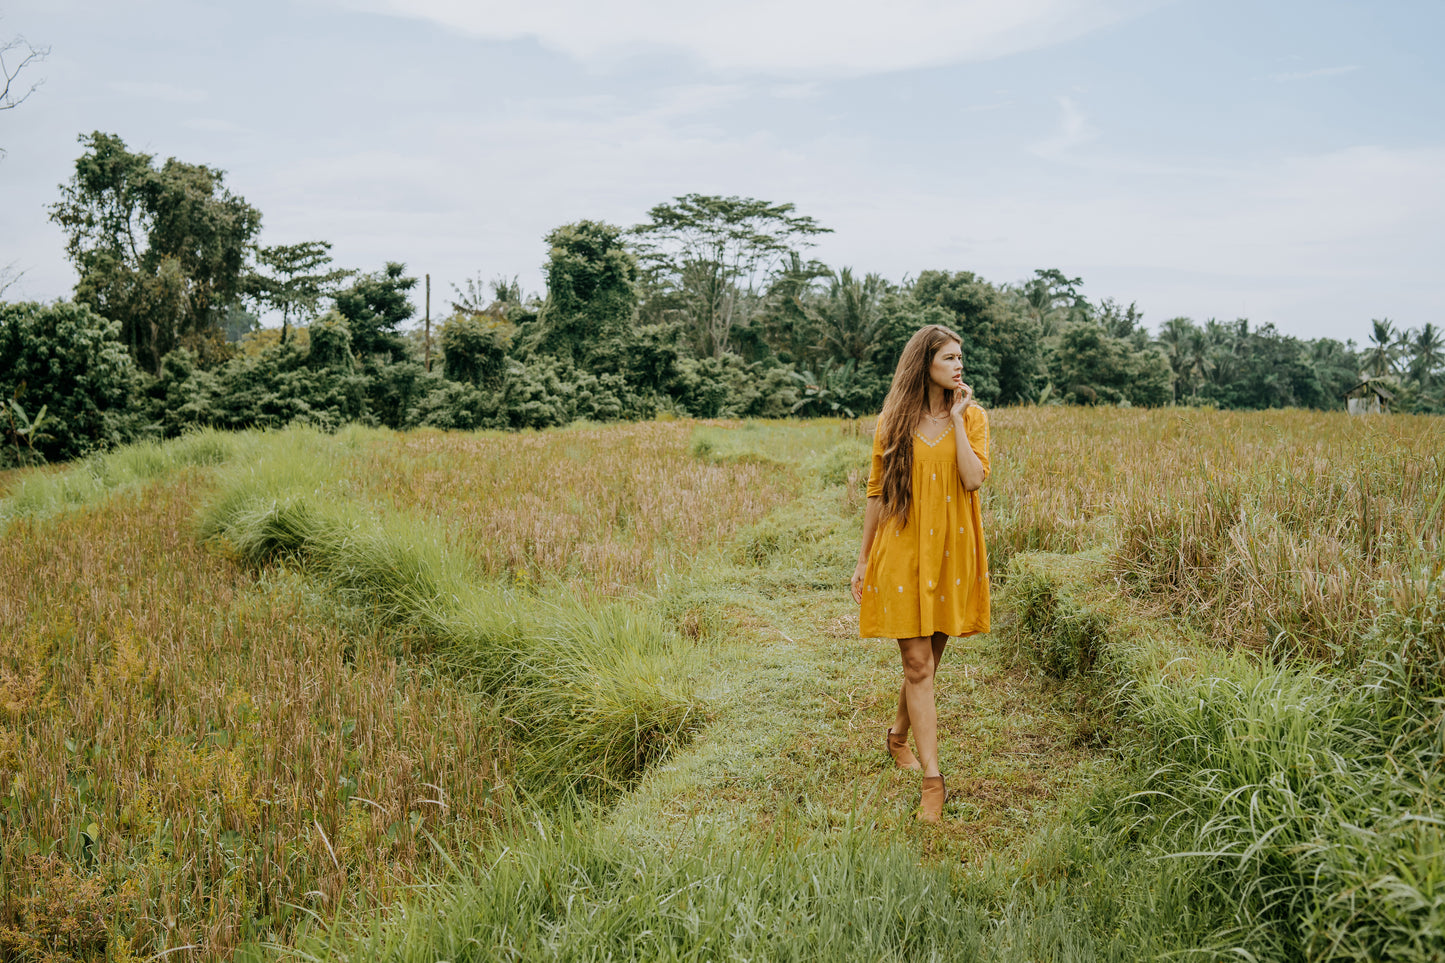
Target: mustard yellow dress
{"type": "Point", "coordinates": [931, 574]}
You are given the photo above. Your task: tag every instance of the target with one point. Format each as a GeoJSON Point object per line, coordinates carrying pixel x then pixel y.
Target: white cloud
{"type": "Point", "coordinates": [1311, 74]}
{"type": "Point", "coordinates": [778, 37]}
{"type": "Point", "coordinates": [1302, 241]}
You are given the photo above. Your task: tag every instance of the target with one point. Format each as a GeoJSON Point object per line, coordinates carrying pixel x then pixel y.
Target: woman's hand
{"type": "Point", "coordinates": [859, 573]}
{"type": "Point", "coordinates": [962, 398]}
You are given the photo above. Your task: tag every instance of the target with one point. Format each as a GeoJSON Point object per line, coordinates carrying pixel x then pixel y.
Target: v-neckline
{"type": "Point", "coordinates": [935, 441]}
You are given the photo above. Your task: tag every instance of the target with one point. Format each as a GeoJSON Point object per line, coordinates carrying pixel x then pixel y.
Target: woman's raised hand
{"type": "Point", "coordinates": [962, 398]}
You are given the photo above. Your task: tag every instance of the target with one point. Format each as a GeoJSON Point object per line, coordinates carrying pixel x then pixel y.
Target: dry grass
{"type": "Point", "coordinates": [613, 508]}
{"type": "Point", "coordinates": [193, 759]}
{"type": "Point", "coordinates": [1285, 527]}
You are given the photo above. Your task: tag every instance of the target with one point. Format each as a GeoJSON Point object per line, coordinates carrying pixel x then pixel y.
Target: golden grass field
{"type": "Point", "coordinates": [201, 756]}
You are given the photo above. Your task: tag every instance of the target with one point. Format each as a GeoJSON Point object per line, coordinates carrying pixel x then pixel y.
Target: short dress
{"type": "Point", "coordinates": [931, 574]}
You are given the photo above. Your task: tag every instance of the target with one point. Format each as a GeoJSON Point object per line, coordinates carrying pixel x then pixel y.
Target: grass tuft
{"type": "Point", "coordinates": [593, 693]}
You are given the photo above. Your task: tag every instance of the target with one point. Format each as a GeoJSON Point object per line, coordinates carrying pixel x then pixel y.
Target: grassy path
{"type": "Point", "coordinates": [801, 703]}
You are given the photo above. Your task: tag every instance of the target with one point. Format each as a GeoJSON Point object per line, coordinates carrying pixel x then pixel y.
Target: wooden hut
{"type": "Point", "coordinates": [1369, 397]}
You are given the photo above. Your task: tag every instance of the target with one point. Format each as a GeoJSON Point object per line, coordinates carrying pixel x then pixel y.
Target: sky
{"type": "Point", "coordinates": [1277, 160]}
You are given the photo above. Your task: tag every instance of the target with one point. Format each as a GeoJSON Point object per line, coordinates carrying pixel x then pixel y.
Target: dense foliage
{"type": "Point", "coordinates": [709, 308]}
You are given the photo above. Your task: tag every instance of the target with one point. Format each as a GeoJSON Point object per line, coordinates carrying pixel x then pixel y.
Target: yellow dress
{"type": "Point", "coordinates": [930, 575]}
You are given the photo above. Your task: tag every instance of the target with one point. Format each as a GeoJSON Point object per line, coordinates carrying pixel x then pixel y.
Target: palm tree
{"type": "Point", "coordinates": [1199, 366]}
{"type": "Point", "coordinates": [1427, 350]}
{"type": "Point", "coordinates": [1380, 359]}
{"type": "Point", "coordinates": [1222, 345]}
{"type": "Point", "coordinates": [851, 320]}
{"type": "Point", "coordinates": [1050, 298]}
{"type": "Point", "coordinates": [1174, 339]}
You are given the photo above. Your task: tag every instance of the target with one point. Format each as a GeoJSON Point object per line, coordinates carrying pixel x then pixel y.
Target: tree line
{"type": "Point", "coordinates": [710, 307]}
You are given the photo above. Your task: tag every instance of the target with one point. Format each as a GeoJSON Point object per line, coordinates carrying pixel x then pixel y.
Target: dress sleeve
{"type": "Point", "coordinates": [875, 474]}
{"type": "Point", "coordinates": [975, 422]}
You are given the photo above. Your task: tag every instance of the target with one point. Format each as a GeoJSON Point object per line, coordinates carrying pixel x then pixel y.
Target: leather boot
{"type": "Point", "coordinates": [898, 749]}
{"type": "Point", "coordinates": [930, 807]}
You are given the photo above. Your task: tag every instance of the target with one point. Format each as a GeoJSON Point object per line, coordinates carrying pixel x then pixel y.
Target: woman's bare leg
{"type": "Point", "coordinates": [901, 720]}
{"type": "Point", "coordinates": [918, 663]}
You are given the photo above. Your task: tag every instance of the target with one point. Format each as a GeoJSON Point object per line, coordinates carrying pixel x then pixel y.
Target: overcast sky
{"type": "Point", "coordinates": [1281, 160]}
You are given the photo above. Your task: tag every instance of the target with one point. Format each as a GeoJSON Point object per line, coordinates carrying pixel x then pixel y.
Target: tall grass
{"type": "Point", "coordinates": [1308, 811]}
{"type": "Point", "coordinates": [190, 757]}
{"type": "Point", "coordinates": [1279, 528]}
{"type": "Point", "coordinates": [578, 895]}
{"type": "Point", "coordinates": [610, 509]}
{"type": "Point", "coordinates": [592, 693]}
{"type": "Point", "coordinates": [92, 479]}
{"type": "Point", "coordinates": [202, 748]}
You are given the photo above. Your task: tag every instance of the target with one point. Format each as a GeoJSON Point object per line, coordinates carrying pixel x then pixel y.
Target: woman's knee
{"type": "Point", "coordinates": [917, 664]}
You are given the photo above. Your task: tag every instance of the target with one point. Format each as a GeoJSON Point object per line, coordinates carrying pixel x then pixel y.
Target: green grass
{"type": "Point", "coordinates": [593, 692]}
{"type": "Point", "coordinates": [93, 479]}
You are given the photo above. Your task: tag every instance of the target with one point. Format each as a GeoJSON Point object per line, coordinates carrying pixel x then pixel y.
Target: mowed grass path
{"type": "Point", "coordinates": [802, 702]}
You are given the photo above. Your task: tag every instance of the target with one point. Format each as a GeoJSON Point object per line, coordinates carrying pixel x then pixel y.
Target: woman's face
{"type": "Point", "coordinates": [947, 368]}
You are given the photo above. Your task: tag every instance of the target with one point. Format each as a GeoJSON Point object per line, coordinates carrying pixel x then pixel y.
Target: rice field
{"type": "Point", "coordinates": [554, 695]}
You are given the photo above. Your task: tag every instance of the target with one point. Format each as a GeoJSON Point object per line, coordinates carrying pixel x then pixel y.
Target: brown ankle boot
{"type": "Point", "coordinates": [898, 749]}
{"type": "Point", "coordinates": [930, 807]}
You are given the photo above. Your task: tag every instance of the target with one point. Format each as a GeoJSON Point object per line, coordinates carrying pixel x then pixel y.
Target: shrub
{"type": "Point", "coordinates": [70, 360]}
{"type": "Point", "coordinates": [1061, 636]}
{"type": "Point", "coordinates": [474, 349]}
{"type": "Point", "coordinates": [850, 458]}
{"type": "Point", "coordinates": [275, 388]}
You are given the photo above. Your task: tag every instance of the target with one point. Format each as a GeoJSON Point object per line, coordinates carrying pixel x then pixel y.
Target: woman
{"type": "Point", "coordinates": [922, 572]}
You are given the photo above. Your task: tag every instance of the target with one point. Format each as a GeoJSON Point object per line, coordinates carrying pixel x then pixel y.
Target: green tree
{"type": "Point", "coordinates": [711, 254]}
{"type": "Point", "coordinates": [1051, 298]}
{"type": "Point", "coordinates": [374, 306]}
{"type": "Point", "coordinates": [591, 295]}
{"type": "Point", "coordinates": [162, 250]}
{"type": "Point", "coordinates": [293, 279]}
{"type": "Point", "coordinates": [1427, 354]}
{"type": "Point", "coordinates": [1384, 348]}
{"type": "Point", "coordinates": [1002, 350]}
{"type": "Point", "coordinates": [789, 320]}
{"type": "Point", "coordinates": [852, 321]}
{"type": "Point", "coordinates": [474, 348]}
{"type": "Point", "coordinates": [1174, 339]}
{"type": "Point", "coordinates": [69, 360]}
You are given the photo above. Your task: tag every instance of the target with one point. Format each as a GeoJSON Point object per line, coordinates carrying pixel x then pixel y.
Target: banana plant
{"type": "Point", "coordinates": [27, 430]}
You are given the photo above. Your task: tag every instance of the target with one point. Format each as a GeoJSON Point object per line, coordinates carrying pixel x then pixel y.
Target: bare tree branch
{"type": "Point", "coordinates": [8, 277]}
{"type": "Point", "coordinates": [27, 53]}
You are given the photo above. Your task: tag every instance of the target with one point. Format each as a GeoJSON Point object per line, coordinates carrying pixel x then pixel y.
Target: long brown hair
{"type": "Point", "coordinates": [901, 410]}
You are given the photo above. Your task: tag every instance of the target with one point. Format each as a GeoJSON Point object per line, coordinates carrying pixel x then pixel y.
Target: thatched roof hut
{"type": "Point", "coordinates": [1369, 397]}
